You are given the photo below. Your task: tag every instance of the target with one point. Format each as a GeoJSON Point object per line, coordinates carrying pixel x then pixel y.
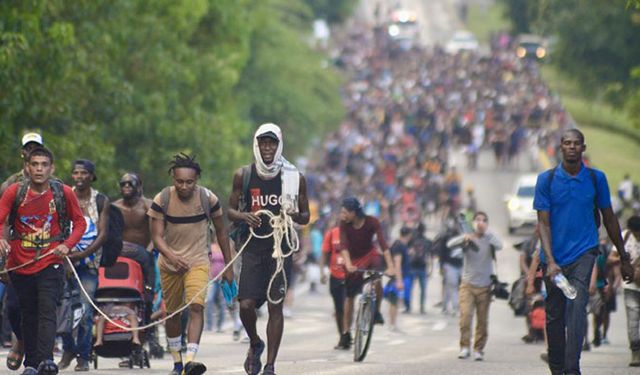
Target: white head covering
{"type": "Point", "coordinates": [268, 171]}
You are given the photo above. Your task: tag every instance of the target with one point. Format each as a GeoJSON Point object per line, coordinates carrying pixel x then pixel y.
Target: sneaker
{"type": "Point", "coordinates": [83, 365]}
{"type": "Point", "coordinates": [47, 367]}
{"type": "Point", "coordinates": [253, 364]}
{"type": "Point", "coordinates": [236, 335]}
{"type": "Point", "coordinates": [605, 341]}
{"type": "Point", "coordinates": [269, 370]}
{"type": "Point", "coordinates": [478, 356]}
{"type": "Point", "coordinates": [287, 313]}
{"type": "Point", "coordinates": [177, 369]}
{"type": "Point", "coordinates": [29, 371]}
{"type": "Point", "coordinates": [379, 319]}
{"type": "Point", "coordinates": [464, 353]}
{"type": "Point", "coordinates": [66, 359]}
{"type": "Point", "coordinates": [194, 368]}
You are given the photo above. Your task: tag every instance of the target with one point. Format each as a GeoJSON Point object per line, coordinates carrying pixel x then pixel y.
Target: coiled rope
{"type": "Point", "coordinates": [283, 228]}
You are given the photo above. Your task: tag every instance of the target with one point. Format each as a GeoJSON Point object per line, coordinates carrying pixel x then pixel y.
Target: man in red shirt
{"type": "Point", "coordinates": [331, 255]}
{"type": "Point", "coordinates": [357, 232]}
{"type": "Point", "coordinates": [36, 231]}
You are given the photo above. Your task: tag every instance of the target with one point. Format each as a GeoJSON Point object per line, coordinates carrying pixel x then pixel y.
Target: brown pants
{"type": "Point", "coordinates": [472, 297]}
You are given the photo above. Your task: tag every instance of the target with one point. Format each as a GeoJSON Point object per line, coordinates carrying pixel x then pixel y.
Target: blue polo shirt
{"type": "Point", "coordinates": [570, 206]}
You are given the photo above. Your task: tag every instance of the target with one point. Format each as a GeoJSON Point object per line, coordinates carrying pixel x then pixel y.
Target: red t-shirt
{"type": "Point", "coordinates": [331, 245]}
{"type": "Point", "coordinates": [37, 217]}
{"type": "Point", "coordinates": [359, 242]}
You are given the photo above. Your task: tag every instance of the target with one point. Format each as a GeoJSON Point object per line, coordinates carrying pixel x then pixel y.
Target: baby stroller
{"type": "Point", "coordinates": [121, 283]}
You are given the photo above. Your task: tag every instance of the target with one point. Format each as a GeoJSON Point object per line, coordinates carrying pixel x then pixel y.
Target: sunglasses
{"type": "Point", "coordinates": [132, 184]}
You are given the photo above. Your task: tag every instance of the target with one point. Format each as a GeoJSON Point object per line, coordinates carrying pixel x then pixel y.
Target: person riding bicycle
{"type": "Point", "coordinates": [357, 232]}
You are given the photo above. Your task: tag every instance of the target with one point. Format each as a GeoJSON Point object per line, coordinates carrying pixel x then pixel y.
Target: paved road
{"type": "Point", "coordinates": [429, 344]}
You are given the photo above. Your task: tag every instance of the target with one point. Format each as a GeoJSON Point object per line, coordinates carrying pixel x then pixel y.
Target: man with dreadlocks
{"type": "Point", "coordinates": [270, 183]}
{"type": "Point", "coordinates": [180, 216]}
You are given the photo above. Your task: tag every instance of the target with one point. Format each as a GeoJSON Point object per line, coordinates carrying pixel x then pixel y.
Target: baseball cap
{"type": "Point", "coordinates": [269, 134]}
{"type": "Point", "coordinates": [32, 137]}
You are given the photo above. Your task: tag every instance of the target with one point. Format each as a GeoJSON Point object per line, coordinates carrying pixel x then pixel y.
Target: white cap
{"type": "Point", "coordinates": [32, 137]}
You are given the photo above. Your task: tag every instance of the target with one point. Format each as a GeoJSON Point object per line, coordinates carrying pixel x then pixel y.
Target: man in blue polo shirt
{"type": "Point", "coordinates": [569, 200]}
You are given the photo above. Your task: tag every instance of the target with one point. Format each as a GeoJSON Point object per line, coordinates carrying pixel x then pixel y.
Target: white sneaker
{"type": "Point", "coordinates": [478, 356]}
{"type": "Point", "coordinates": [464, 353]}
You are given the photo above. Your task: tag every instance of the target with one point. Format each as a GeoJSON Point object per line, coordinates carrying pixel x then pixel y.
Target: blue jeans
{"type": "Point", "coordinates": [421, 275]}
{"type": "Point", "coordinates": [214, 300]}
{"type": "Point", "coordinates": [82, 344]}
{"type": "Point", "coordinates": [452, 276]}
{"type": "Point", "coordinates": [567, 319]}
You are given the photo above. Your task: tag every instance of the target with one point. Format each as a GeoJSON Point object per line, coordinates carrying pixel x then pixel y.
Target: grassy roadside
{"type": "Point", "coordinates": [614, 153]}
{"type": "Point", "coordinates": [609, 151]}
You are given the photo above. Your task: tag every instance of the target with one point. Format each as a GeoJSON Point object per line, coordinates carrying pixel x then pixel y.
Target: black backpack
{"type": "Point", "coordinates": [60, 202]}
{"type": "Point", "coordinates": [112, 247]}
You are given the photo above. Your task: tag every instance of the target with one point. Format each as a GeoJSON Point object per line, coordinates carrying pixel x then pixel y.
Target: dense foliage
{"type": "Point", "coordinates": [598, 42]}
{"type": "Point", "coordinates": [129, 83]}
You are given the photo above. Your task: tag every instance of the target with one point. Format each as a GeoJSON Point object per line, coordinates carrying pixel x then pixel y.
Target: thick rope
{"type": "Point", "coordinates": [282, 228]}
{"type": "Point", "coordinates": [32, 261]}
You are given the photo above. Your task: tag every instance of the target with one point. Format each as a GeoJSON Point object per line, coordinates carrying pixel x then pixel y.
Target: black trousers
{"type": "Point", "coordinates": [39, 294]}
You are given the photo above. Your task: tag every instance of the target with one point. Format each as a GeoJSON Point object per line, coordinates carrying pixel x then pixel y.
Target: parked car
{"type": "Point", "coordinates": [461, 41]}
{"type": "Point", "coordinates": [520, 210]}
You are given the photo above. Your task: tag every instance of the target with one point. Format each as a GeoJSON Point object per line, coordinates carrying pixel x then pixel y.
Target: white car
{"type": "Point", "coordinates": [461, 41]}
{"type": "Point", "coordinates": [520, 203]}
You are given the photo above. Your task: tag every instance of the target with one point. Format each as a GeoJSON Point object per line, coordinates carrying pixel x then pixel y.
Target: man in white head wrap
{"type": "Point", "coordinates": [269, 183]}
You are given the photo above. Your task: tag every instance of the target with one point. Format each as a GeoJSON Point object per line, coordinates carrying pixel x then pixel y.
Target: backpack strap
{"type": "Point", "coordinates": [165, 196]}
{"type": "Point", "coordinates": [61, 206]}
{"type": "Point", "coordinates": [246, 178]}
{"type": "Point", "coordinates": [100, 201]}
{"type": "Point", "coordinates": [205, 201]}
{"type": "Point", "coordinates": [20, 196]}
{"type": "Point", "coordinates": [595, 186]}
{"type": "Point", "coordinates": [552, 173]}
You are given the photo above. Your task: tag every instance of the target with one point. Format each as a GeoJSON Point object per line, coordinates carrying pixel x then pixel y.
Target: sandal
{"type": "Point", "coordinates": [14, 359]}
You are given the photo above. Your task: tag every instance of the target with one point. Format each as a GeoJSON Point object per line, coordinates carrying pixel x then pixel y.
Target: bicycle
{"type": "Point", "coordinates": [365, 315]}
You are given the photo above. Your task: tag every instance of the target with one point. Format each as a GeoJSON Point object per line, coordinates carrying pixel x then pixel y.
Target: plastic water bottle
{"type": "Point", "coordinates": [564, 285]}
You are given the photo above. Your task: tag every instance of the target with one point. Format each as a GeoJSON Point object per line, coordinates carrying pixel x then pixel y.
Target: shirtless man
{"type": "Point", "coordinates": [136, 233]}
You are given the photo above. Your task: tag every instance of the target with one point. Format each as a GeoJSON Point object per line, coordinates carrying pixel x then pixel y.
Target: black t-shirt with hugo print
{"type": "Point", "coordinates": [263, 195]}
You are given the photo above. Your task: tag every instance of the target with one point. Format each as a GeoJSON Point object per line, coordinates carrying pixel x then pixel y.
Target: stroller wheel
{"type": "Point", "coordinates": [131, 358]}
{"type": "Point", "coordinates": [146, 359]}
{"type": "Point", "coordinates": [95, 361]}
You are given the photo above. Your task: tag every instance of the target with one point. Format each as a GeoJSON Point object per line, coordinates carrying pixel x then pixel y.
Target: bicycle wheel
{"type": "Point", "coordinates": [364, 328]}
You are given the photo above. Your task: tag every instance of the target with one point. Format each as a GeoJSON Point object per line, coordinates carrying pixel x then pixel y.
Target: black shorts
{"type": "Point", "coordinates": [257, 269]}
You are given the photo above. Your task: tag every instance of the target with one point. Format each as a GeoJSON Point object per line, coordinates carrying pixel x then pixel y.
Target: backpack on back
{"type": "Point", "coordinates": [59, 201]}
